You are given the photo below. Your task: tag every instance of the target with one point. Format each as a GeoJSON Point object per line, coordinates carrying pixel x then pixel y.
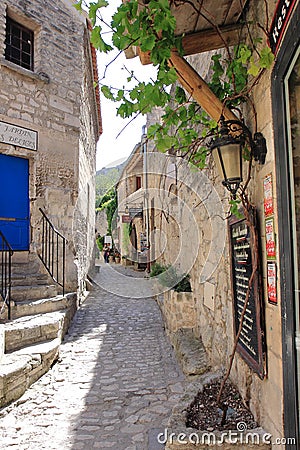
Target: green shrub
{"type": "Point", "coordinates": [100, 242]}
{"type": "Point", "coordinates": [157, 269]}
{"type": "Point", "coordinates": [183, 285]}
{"type": "Point", "coordinates": [170, 278]}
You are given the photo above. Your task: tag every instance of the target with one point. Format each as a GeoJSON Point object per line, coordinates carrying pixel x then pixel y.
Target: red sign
{"type": "Point", "coordinates": [270, 239]}
{"type": "Point", "coordinates": [268, 196]}
{"type": "Point", "coordinates": [280, 20]}
{"type": "Point", "coordinates": [272, 283]}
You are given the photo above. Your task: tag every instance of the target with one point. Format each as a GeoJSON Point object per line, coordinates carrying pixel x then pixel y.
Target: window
{"type": "Point", "coordinates": [19, 44]}
{"type": "Point", "coordinates": [138, 183]}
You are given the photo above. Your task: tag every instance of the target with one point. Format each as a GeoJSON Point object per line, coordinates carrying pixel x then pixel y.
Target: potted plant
{"type": "Point", "coordinates": [111, 257]}
{"type": "Point", "coordinates": [117, 257]}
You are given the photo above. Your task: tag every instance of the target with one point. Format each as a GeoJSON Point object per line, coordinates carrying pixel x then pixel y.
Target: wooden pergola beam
{"type": "Point", "coordinates": [198, 89]}
{"type": "Point", "coordinates": [207, 40]}
{"type": "Point", "coordinates": [203, 41]}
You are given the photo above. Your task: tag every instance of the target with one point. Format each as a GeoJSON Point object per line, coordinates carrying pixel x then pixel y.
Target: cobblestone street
{"type": "Point", "coordinates": [116, 381]}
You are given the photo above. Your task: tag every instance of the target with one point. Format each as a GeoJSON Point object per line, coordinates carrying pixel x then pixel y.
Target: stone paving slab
{"type": "Point", "coordinates": [115, 384]}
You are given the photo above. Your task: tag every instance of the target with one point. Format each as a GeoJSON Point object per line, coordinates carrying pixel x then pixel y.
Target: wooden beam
{"type": "Point", "coordinates": [198, 89]}
{"type": "Point", "coordinates": [207, 40]}
{"type": "Point", "coordinates": [203, 41]}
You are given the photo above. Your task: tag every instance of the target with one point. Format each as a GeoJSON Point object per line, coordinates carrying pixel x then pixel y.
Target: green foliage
{"type": "Point", "coordinates": [105, 180]}
{"type": "Point", "coordinates": [106, 199]}
{"type": "Point", "coordinates": [126, 238]}
{"type": "Point", "coordinates": [97, 40]}
{"type": "Point", "coordinates": [185, 128]}
{"type": "Point", "coordinates": [78, 5]}
{"type": "Point", "coordinates": [183, 285]}
{"type": "Point", "coordinates": [157, 269]}
{"type": "Point", "coordinates": [169, 277]}
{"type": "Point", "coordinates": [234, 207]}
{"type": "Point", "coordinates": [100, 242]}
{"type": "Point", "coordinates": [110, 211]}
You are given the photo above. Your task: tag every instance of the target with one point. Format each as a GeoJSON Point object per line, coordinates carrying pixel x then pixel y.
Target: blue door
{"type": "Point", "coordinates": [14, 201]}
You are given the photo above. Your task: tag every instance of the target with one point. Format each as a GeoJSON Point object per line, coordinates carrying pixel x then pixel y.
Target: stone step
{"type": "Point", "coordinates": [22, 257]}
{"type": "Point", "coordinates": [18, 279]}
{"type": "Point", "coordinates": [22, 293]}
{"type": "Point", "coordinates": [18, 370]}
{"type": "Point", "coordinates": [190, 352]}
{"type": "Point", "coordinates": [44, 305]}
{"type": "Point", "coordinates": [24, 268]}
{"type": "Point", "coordinates": [29, 330]}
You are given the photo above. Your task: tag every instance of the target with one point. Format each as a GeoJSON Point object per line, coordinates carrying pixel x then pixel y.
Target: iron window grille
{"type": "Point", "coordinates": [19, 44]}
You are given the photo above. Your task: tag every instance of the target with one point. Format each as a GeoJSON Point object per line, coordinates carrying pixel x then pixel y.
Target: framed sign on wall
{"type": "Point", "coordinates": [250, 344]}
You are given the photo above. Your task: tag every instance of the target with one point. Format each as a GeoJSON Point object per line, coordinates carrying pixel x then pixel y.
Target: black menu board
{"type": "Point", "coordinates": [250, 341]}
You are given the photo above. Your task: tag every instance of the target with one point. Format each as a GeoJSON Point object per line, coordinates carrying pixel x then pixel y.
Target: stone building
{"type": "Point", "coordinates": [190, 230]}
{"type": "Point", "coordinates": [50, 123]}
{"type": "Point", "coordinates": [129, 235]}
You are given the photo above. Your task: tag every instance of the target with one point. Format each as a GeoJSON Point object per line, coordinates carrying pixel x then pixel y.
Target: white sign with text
{"type": "Point", "coordinates": [19, 136]}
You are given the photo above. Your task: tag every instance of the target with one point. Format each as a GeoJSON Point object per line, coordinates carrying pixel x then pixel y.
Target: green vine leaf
{"type": "Point", "coordinates": [78, 5]}
{"type": "Point", "coordinates": [184, 127]}
{"type": "Point", "coordinates": [97, 40]}
{"type": "Point", "coordinates": [106, 91]}
{"type": "Point", "coordinates": [254, 69]}
{"type": "Point", "coordinates": [148, 43]}
{"type": "Point", "coordinates": [234, 208]}
{"type": "Point", "coordinates": [266, 58]}
{"type": "Point", "coordinates": [94, 6]}
{"type": "Point", "coordinates": [244, 54]}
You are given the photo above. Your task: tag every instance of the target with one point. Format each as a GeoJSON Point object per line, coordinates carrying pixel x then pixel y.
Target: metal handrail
{"type": "Point", "coordinates": [5, 281]}
{"type": "Point", "coordinates": [53, 251]}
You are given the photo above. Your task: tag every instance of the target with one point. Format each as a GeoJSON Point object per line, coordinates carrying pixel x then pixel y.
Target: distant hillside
{"type": "Point", "coordinates": [106, 178]}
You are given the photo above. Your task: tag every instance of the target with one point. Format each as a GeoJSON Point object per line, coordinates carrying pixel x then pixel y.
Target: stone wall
{"type": "Point", "coordinates": [200, 246]}
{"type": "Point", "coordinates": [101, 222]}
{"type": "Point", "coordinates": [178, 310]}
{"type": "Point", "coordinates": [57, 100]}
{"type": "Point", "coordinates": [130, 197]}
{"type": "Point", "coordinates": [2, 341]}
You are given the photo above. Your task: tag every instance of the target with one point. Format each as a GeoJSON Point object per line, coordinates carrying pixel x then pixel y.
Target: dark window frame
{"type": "Point", "coordinates": [19, 44]}
{"type": "Point", "coordinates": [286, 244]}
{"type": "Point", "coordinates": [138, 182]}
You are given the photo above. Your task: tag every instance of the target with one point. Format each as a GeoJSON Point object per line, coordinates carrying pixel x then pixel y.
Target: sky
{"type": "Point", "coordinates": [111, 148]}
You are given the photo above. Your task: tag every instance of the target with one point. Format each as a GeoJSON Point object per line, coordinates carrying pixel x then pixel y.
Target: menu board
{"type": "Point", "coordinates": [250, 340]}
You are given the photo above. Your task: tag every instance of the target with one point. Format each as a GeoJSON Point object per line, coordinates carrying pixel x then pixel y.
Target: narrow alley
{"type": "Point", "coordinates": [115, 383]}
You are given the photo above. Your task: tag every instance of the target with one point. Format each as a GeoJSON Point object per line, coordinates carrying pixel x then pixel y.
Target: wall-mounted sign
{"type": "Point", "coordinates": [272, 282]}
{"type": "Point", "coordinates": [18, 136]}
{"type": "Point", "coordinates": [268, 196]}
{"type": "Point", "coordinates": [136, 212]}
{"type": "Point", "coordinates": [280, 20]}
{"type": "Point", "coordinates": [250, 344]}
{"type": "Point", "coordinates": [270, 238]}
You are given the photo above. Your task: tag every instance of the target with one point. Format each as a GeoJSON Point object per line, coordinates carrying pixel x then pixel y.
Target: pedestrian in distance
{"type": "Point", "coordinates": [106, 250]}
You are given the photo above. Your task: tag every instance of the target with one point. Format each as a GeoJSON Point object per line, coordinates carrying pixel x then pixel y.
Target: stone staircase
{"type": "Point", "coordinates": [41, 315]}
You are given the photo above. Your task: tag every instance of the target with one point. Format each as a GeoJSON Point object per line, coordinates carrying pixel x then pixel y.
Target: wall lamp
{"type": "Point", "coordinates": [227, 149]}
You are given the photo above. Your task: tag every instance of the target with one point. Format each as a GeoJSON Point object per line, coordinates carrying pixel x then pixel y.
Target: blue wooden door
{"type": "Point", "coordinates": [14, 201]}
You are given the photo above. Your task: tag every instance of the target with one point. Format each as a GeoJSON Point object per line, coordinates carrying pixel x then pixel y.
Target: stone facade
{"type": "Point", "coordinates": [179, 310]}
{"type": "Point", "coordinates": [188, 228]}
{"type": "Point", "coordinates": [58, 101]}
{"type": "Point", "coordinates": [127, 236]}
{"type": "Point", "coordinates": [1, 341]}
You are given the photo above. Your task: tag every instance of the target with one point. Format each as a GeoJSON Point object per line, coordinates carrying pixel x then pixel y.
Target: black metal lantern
{"type": "Point", "coordinates": [227, 150]}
